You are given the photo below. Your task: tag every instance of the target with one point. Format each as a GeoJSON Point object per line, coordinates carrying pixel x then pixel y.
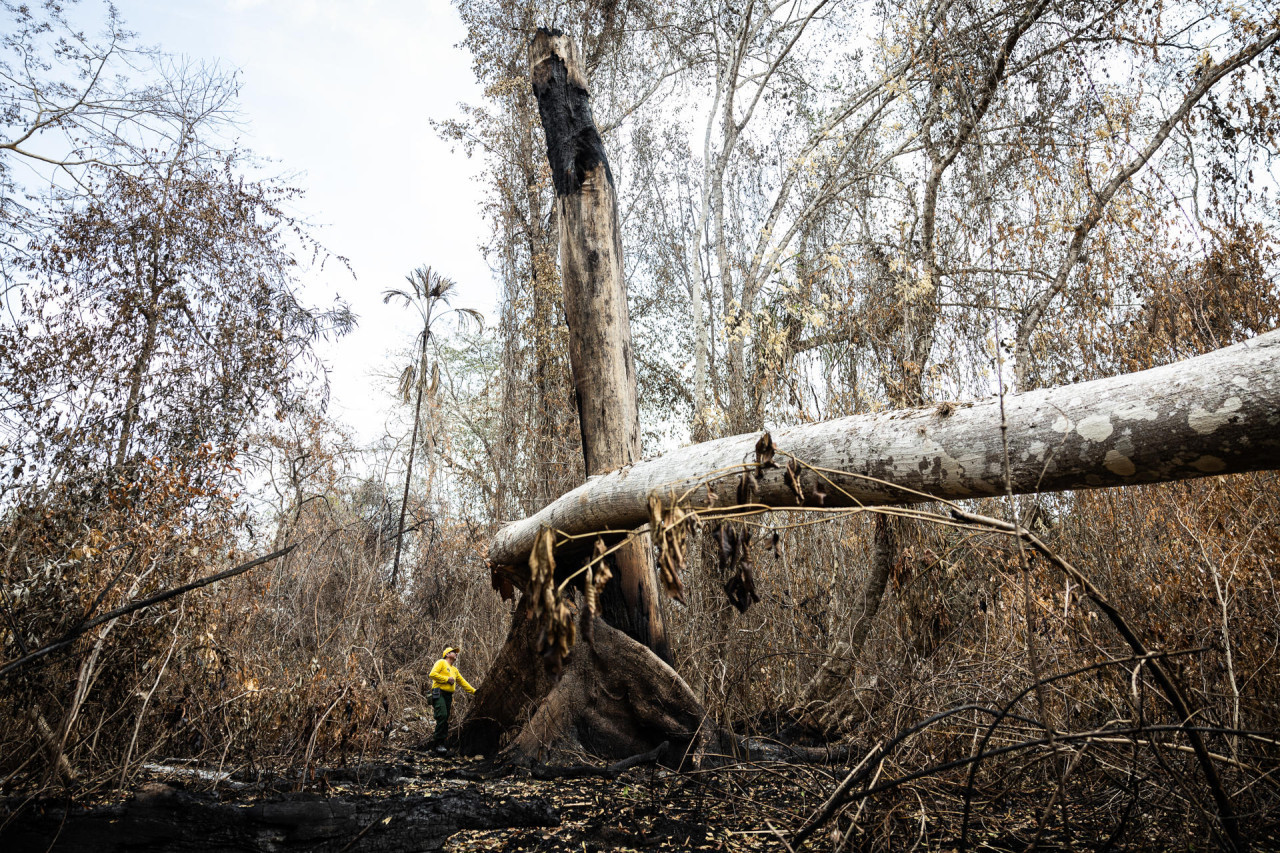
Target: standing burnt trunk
{"type": "Point", "coordinates": [595, 304]}
{"type": "Point", "coordinates": [618, 684]}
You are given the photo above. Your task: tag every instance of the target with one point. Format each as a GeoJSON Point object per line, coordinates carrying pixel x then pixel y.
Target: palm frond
{"type": "Point", "coordinates": [408, 378]}
{"type": "Point", "coordinates": [473, 315]}
{"type": "Point", "coordinates": [443, 288]}
{"type": "Point", "coordinates": [422, 281]}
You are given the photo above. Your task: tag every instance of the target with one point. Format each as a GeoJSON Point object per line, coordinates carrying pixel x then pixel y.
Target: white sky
{"type": "Point", "coordinates": [341, 93]}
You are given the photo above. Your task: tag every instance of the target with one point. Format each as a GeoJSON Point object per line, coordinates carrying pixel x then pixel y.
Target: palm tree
{"type": "Point", "coordinates": [428, 293]}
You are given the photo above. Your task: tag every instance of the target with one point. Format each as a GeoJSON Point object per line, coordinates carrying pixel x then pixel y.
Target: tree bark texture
{"type": "Point", "coordinates": [513, 688]}
{"type": "Point", "coordinates": [161, 818]}
{"type": "Point", "coordinates": [1217, 413]}
{"type": "Point", "coordinates": [595, 301]}
{"type": "Point", "coordinates": [615, 699]}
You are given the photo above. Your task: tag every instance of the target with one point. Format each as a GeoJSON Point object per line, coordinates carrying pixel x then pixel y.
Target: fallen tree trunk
{"type": "Point", "coordinates": [164, 818]}
{"type": "Point", "coordinates": [1217, 413]}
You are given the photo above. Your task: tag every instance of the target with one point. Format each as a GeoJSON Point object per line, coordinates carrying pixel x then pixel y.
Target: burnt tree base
{"type": "Point", "coordinates": [614, 699]}
{"type": "Point", "coordinates": [162, 818]}
{"type": "Point", "coordinates": [516, 683]}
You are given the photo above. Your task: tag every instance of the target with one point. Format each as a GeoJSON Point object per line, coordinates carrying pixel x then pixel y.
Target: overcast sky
{"type": "Point", "coordinates": [341, 92]}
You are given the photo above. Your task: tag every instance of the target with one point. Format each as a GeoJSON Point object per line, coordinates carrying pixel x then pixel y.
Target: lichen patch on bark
{"type": "Point", "coordinates": [1209, 464]}
{"type": "Point", "coordinates": [1137, 412]}
{"type": "Point", "coordinates": [1206, 422]}
{"type": "Point", "coordinates": [1095, 428]}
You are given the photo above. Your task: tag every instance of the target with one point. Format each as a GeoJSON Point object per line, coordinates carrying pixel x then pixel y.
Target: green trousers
{"type": "Point", "coordinates": [442, 704]}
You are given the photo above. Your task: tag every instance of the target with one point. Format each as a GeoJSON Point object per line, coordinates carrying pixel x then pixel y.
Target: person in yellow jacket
{"type": "Point", "coordinates": [445, 679]}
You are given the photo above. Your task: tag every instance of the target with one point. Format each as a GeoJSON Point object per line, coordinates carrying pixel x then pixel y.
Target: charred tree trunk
{"type": "Point", "coordinates": [595, 304]}
{"type": "Point", "coordinates": [616, 699]}
{"type": "Point", "coordinates": [161, 818]}
{"type": "Point", "coordinates": [617, 696]}
{"type": "Point", "coordinates": [513, 688]}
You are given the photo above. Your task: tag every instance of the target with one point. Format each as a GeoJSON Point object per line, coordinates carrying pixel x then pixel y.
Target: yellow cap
{"type": "Point", "coordinates": [447, 650]}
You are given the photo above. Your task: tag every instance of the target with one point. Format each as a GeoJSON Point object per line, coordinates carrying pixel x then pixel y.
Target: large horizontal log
{"type": "Point", "coordinates": [1217, 413]}
{"type": "Point", "coordinates": [164, 818]}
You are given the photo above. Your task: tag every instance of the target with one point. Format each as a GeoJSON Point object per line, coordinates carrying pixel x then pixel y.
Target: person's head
{"type": "Point", "coordinates": [451, 654]}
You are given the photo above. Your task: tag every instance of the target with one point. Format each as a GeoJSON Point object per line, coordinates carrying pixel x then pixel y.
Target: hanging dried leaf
{"type": "Point", "coordinates": [598, 574]}
{"type": "Point", "coordinates": [655, 518]}
{"type": "Point", "coordinates": [792, 478]}
{"type": "Point", "coordinates": [727, 539]}
{"type": "Point", "coordinates": [671, 564]}
{"type": "Point", "coordinates": [435, 380]}
{"type": "Point", "coordinates": [589, 585]}
{"type": "Point", "coordinates": [557, 635]}
{"type": "Point", "coordinates": [764, 452]}
{"type": "Point", "coordinates": [669, 528]}
{"type": "Point", "coordinates": [741, 588]}
{"type": "Point", "coordinates": [602, 576]}
{"type": "Point", "coordinates": [547, 605]}
{"type": "Point", "coordinates": [734, 556]}
{"type": "Point", "coordinates": [775, 545]}
{"type": "Point", "coordinates": [742, 549]}
{"type": "Point", "coordinates": [712, 502]}
{"type": "Point", "coordinates": [408, 379]}
{"type": "Point", "coordinates": [587, 616]}
{"type": "Point", "coordinates": [748, 488]}
{"type": "Point", "coordinates": [542, 575]}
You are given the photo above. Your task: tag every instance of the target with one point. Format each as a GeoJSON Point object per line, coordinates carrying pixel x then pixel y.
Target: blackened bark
{"type": "Point", "coordinates": [161, 818]}
{"type": "Point", "coordinates": [518, 698]}
{"type": "Point", "coordinates": [514, 686]}
{"type": "Point", "coordinates": [574, 146]}
{"type": "Point", "coordinates": [614, 699]}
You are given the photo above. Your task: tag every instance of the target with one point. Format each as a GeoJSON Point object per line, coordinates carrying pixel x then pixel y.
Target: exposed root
{"type": "Point", "coordinates": [580, 771]}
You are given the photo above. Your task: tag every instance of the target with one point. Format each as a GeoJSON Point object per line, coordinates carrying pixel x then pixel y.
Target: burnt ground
{"type": "Point", "coordinates": [410, 801]}
{"type": "Point", "coordinates": [413, 801]}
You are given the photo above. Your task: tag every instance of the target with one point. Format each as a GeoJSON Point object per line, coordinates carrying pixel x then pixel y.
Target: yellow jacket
{"type": "Point", "coordinates": [442, 672]}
